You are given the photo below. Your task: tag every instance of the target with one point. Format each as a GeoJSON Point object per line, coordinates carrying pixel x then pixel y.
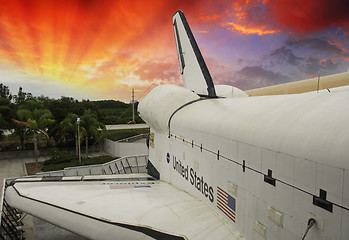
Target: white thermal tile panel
{"type": "Point", "coordinates": [345, 201]}
{"type": "Point", "coordinates": [233, 172]}
{"type": "Point", "coordinates": [241, 210]}
{"type": "Point", "coordinates": [273, 230]}
{"type": "Point", "coordinates": [268, 161]}
{"type": "Point", "coordinates": [233, 152]}
{"type": "Point", "coordinates": [243, 151]}
{"type": "Point", "coordinates": [268, 193]}
{"type": "Point", "coordinates": [243, 154]}
{"type": "Point", "coordinates": [254, 182]}
{"type": "Point", "coordinates": [330, 179]}
{"type": "Point", "coordinates": [250, 213]}
{"type": "Point", "coordinates": [284, 198]}
{"type": "Point", "coordinates": [332, 221]}
{"type": "Point", "coordinates": [207, 144]}
{"type": "Point", "coordinates": [287, 235]}
{"type": "Point", "coordinates": [252, 206]}
{"type": "Point", "coordinates": [220, 172]}
{"type": "Point", "coordinates": [292, 225]}
{"type": "Point", "coordinates": [305, 175]}
{"type": "Point", "coordinates": [285, 165]}
{"type": "Point", "coordinates": [345, 225]}
{"type": "Point", "coordinates": [262, 213]}
{"type": "Point", "coordinates": [243, 178]}
{"type": "Point", "coordinates": [302, 204]}
{"type": "Point", "coordinates": [314, 234]}
{"type": "Point", "coordinates": [221, 144]}
{"type": "Point", "coordinates": [254, 157]}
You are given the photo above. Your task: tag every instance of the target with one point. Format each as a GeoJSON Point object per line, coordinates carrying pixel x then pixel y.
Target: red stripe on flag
{"type": "Point", "coordinates": [226, 214]}
{"type": "Point", "coordinates": [222, 190]}
{"type": "Point", "coordinates": [227, 210]}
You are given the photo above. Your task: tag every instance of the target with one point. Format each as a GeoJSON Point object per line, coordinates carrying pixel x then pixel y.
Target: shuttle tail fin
{"type": "Point", "coordinates": [195, 74]}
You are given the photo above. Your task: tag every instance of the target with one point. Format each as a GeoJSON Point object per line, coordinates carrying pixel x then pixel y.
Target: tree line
{"type": "Point", "coordinates": [55, 119]}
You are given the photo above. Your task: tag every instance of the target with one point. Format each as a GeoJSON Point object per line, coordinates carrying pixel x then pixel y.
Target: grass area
{"type": "Point", "coordinates": [116, 135]}
{"type": "Point", "coordinates": [52, 166]}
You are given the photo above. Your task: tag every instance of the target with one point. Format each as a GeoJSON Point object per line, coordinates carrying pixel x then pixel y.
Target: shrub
{"type": "Point", "coordinates": [58, 156]}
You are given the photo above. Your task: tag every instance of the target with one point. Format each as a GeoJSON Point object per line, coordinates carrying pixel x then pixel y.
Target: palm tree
{"type": "Point", "coordinates": [90, 126]}
{"type": "Point", "coordinates": [2, 123]}
{"type": "Point", "coordinates": [69, 127]}
{"type": "Point", "coordinates": [33, 116]}
{"type": "Point", "coordinates": [6, 112]}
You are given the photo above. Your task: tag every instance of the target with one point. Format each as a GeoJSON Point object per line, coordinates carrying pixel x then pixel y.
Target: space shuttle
{"type": "Point", "coordinates": [222, 164]}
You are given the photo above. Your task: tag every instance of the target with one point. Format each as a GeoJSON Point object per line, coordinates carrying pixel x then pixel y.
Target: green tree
{"type": "Point", "coordinates": [5, 92]}
{"type": "Point", "coordinates": [69, 128]}
{"type": "Point", "coordinates": [2, 123]}
{"type": "Point", "coordinates": [21, 97]}
{"type": "Point", "coordinates": [6, 115]}
{"type": "Point", "coordinates": [90, 126]}
{"type": "Point", "coordinates": [60, 108]}
{"type": "Point", "coordinates": [33, 116]}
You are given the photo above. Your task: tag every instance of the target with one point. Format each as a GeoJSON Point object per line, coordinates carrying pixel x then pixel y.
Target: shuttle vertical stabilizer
{"type": "Point", "coordinates": [195, 74]}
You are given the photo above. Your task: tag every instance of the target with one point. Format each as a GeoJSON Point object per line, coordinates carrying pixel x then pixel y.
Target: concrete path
{"type": "Point", "coordinates": [10, 168]}
{"type": "Point", "coordinates": [35, 229]}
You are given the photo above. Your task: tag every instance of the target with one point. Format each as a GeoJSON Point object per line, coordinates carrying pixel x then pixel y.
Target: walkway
{"type": "Point", "coordinates": [126, 126]}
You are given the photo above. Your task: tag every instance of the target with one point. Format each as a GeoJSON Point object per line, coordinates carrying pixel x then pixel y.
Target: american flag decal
{"type": "Point", "coordinates": [226, 203]}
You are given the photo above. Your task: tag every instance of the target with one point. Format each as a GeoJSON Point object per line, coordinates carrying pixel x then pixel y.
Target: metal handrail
{"type": "Point", "coordinates": [11, 222]}
{"type": "Point", "coordinates": [133, 138]}
{"type": "Point", "coordinates": [111, 167]}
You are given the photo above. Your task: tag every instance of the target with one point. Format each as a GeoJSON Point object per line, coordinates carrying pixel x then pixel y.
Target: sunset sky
{"type": "Point", "coordinates": [101, 49]}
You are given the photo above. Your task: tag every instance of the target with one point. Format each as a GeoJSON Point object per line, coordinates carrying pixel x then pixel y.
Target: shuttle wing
{"type": "Point", "coordinates": [195, 74]}
{"type": "Point", "coordinates": [127, 206]}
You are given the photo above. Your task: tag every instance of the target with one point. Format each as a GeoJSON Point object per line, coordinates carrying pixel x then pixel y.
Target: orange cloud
{"type": "Point", "coordinates": [248, 17]}
{"type": "Point", "coordinates": [213, 17]}
{"type": "Point", "coordinates": [345, 58]}
{"type": "Point", "coordinates": [339, 45]}
{"type": "Point", "coordinates": [272, 16]}
{"type": "Point", "coordinates": [240, 28]}
{"type": "Point", "coordinates": [322, 61]}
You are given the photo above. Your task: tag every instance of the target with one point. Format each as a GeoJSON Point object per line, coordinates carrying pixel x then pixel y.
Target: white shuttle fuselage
{"type": "Point", "coordinates": [272, 155]}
